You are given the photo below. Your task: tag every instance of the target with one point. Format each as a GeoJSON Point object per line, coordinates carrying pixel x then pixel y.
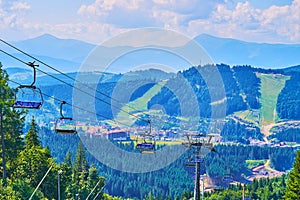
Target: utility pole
{"type": "Point", "coordinates": [202, 188]}
{"type": "Point", "coordinates": [197, 181]}
{"type": "Point", "coordinates": [243, 197]}
{"type": "Point", "coordinates": [58, 184]}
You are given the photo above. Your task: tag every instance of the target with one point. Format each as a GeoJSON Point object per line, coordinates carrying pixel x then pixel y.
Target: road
{"type": "Point", "coordinates": [265, 129]}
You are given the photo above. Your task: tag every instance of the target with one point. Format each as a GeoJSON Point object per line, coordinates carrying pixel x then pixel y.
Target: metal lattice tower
{"type": "Point", "coordinates": [200, 145]}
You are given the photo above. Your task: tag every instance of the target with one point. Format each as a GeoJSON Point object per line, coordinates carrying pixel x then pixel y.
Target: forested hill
{"type": "Point", "coordinates": [242, 85]}
{"type": "Point", "coordinates": [253, 99]}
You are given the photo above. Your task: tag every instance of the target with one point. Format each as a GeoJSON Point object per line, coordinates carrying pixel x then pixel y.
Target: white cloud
{"type": "Point", "coordinates": [19, 6]}
{"type": "Point", "coordinates": [104, 18]}
{"type": "Point", "coordinates": [7, 19]}
{"type": "Point", "coordinates": [144, 13]}
{"type": "Point", "coordinates": [273, 24]}
{"type": "Point", "coordinates": [121, 13]}
{"type": "Point", "coordinates": [92, 32]}
{"type": "Point", "coordinates": [104, 7]}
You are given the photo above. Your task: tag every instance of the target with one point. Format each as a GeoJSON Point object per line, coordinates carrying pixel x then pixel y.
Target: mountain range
{"type": "Point", "coordinates": [67, 55]}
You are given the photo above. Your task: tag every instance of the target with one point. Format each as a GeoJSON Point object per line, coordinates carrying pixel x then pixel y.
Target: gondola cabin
{"type": "Point", "coordinates": [227, 178]}
{"type": "Point", "coordinates": [192, 162]}
{"type": "Point", "coordinates": [146, 147]}
{"type": "Point", "coordinates": [65, 125]}
{"type": "Point", "coordinates": [29, 97]}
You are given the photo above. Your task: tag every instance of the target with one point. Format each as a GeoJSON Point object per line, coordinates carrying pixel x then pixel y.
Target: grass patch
{"type": "Point", "coordinates": [271, 86]}
{"type": "Point", "coordinates": [140, 104]}
{"type": "Point", "coordinates": [249, 115]}
{"type": "Point", "coordinates": [254, 163]}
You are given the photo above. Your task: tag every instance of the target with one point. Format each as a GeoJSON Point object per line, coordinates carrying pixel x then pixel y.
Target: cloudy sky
{"type": "Point", "coordinates": [271, 21]}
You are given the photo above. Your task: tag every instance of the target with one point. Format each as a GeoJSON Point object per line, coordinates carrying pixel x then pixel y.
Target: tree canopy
{"type": "Point", "coordinates": [293, 184]}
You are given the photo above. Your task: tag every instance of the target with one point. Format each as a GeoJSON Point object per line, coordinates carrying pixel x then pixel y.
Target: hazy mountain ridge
{"type": "Point", "coordinates": [22, 75]}
{"type": "Point", "coordinates": [66, 49]}
{"type": "Point", "coordinates": [67, 54]}
{"type": "Point", "coordinates": [236, 52]}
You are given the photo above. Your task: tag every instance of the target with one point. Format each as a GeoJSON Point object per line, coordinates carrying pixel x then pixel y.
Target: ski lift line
{"type": "Point", "coordinates": [135, 116]}
{"type": "Point", "coordinates": [52, 76]}
{"type": "Point", "coordinates": [91, 112]}
{"type": "Point", "coordinates": [88, 111]}
{"type": "Point", "coordinates": [14, 57]}
{"type": "Point", "coordinates": [30, 64]}
{"type": "Point", "coordinates": [116, 100]}
{"type": "Point", "coordinates": [56, 70]}
{"type": "Point", "coordinates": [77, 107]}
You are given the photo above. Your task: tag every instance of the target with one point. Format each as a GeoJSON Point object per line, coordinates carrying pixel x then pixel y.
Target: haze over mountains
{"type": "Point", "coordinates": [67, 54]}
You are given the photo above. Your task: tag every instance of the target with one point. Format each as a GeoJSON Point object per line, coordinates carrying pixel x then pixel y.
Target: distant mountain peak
{"type": "Point", "coordinates": [45, 36]}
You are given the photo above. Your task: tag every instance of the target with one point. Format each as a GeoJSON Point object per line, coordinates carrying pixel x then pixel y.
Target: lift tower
{"type": "Point", "coordinates": [199, 145]}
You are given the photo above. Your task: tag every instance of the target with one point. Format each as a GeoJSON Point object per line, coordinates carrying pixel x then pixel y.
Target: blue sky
{"type": "Point", "coordinates": [94, 21]}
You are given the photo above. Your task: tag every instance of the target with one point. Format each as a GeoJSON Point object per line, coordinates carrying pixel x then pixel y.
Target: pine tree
{"type": "Point", "coordinates": [33, 162]}
{"type": "Point", "coordinates": [79, 187]}
{"type": "Point", "coordinates": [66, 175]}
{"type": "Point", "coordinates": [31, 138]}
{"type": "Point", "coordinates": [6, 192]}
{"type": "Point", "coordinates": [93, 176]}
{"type": "Point", "coordinates": [80, 168]}
{"type": "Point", "coordinates": [293, 185]}
{"type": "Point", "coordinates": [68, 160]}
{"type": "Point", "coordinates": [11, 124]}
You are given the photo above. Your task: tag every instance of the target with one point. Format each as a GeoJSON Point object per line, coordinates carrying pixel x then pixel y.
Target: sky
{"type": "Point", "coordinates": [94, 21]}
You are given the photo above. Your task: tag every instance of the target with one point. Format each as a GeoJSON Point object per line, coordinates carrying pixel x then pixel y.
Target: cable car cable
{"type": "Point", "coordinates": [170, 123]}
{"type": "Point", "coordinates": [76, 87]}
{"type": "Point", "coordinates": [56, 70]}
{"type": "Point", "coordinates": [77, 107]}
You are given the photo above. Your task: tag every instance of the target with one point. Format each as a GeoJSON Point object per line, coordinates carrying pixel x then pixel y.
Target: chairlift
{"type": "Point", "coordinates": [218, 188]}
{"type": "Point", "coordinates": [64, 125]}
{"type": "Point", "coordinates": [146, 147]}
{"type": "Point", "coordinates": [28, 96]}
{"type": "Point", "coordinates": [193, 160]}
{"type": "Point", "coordinates": [227, 178]}
{"type": "Point", "coordinates": [190, 164]}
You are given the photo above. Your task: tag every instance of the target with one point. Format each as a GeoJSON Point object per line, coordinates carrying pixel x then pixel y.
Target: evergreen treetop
{"type": "Point", "coordinates": [31, 138]}
{"type": "Point", "coordinates": [293, 185]}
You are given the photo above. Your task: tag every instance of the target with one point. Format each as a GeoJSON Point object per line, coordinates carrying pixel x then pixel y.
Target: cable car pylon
{"type": "Point", "coordinates": [198, 143]}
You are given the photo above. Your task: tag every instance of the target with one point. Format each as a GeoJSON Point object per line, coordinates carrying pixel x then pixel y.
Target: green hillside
{"type": "Point", "coordinates": [271, 86]}
{"type": "Point", "coordinates": [138, 104]}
